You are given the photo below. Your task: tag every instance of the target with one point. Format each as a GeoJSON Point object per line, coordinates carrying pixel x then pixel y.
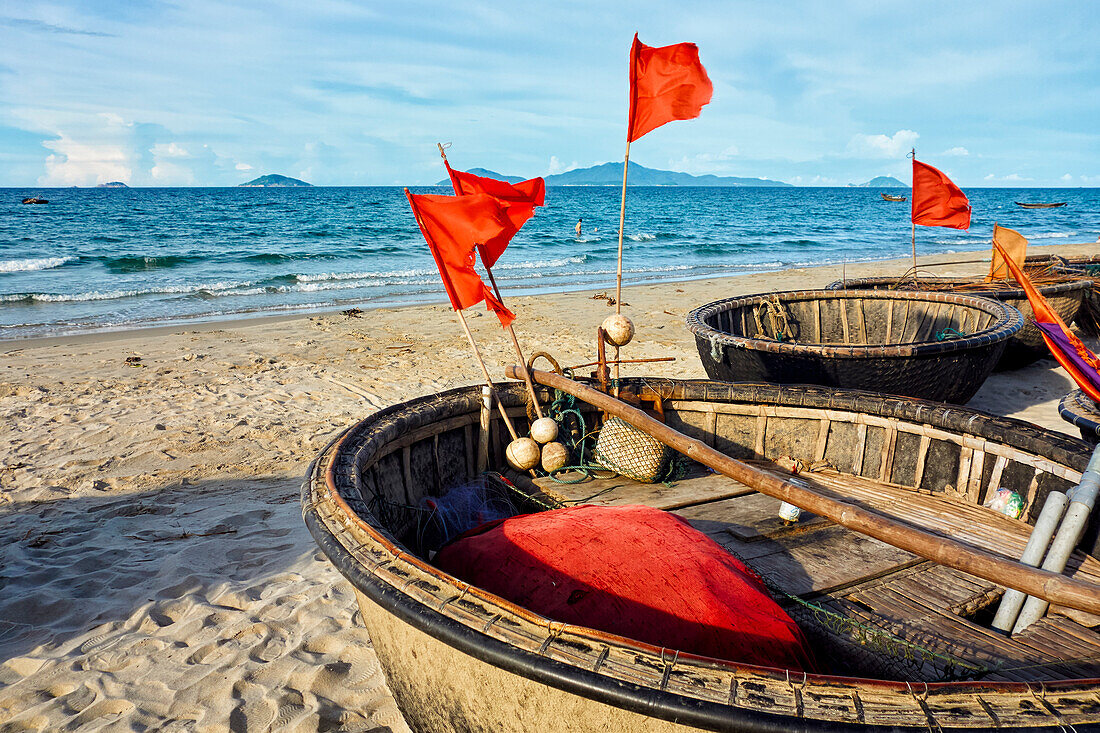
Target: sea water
{"type": "Point", "coordinates": [98, 259]}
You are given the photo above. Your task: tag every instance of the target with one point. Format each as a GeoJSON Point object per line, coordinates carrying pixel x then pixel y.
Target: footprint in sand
{"type": "Point", "coordinates": [291, 707]}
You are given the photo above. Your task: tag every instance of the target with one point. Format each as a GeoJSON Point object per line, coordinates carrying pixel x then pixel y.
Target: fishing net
{"type": "Point", "coordinates": [631, 452]}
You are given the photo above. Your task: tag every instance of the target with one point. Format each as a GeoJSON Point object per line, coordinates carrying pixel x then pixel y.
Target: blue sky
{"type": "Point", "coordinates": [357, 93]}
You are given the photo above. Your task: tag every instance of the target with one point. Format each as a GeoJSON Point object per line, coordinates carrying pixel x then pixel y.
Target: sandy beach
{"type": "Point", "coordinates": [156, 573]}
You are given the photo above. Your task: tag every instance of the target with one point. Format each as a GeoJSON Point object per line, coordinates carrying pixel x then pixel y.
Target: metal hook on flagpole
{"type": "Point", "coordinates": [911, 154]}
{"type": "Point", "coordinates": [443, 147]}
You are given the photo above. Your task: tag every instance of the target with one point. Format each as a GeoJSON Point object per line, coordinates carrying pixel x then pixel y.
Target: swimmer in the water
{"type": "Point", "coordinates": [577, 228]}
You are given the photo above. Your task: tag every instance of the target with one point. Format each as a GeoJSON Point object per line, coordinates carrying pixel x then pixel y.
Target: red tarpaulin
{"type": "Point", "coordinates": [937, 202]}
{"type": "Point", "coordinates": [451, 226]}
{"type": "Point", "coordinates": [667, 83]}
{"type": "Point", "coordinates": [633, 571]}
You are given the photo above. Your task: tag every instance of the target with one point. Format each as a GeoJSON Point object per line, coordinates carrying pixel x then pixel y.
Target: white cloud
{"type": "Point", "coordinates": [705, 162]}
{"type": "Point", "coordinates": [1010, 178]}
{"type": "Point", "coordinates": [243, 167]}
{"type": "Point", "coordinates": [556, 166]}
{"type": "Point", "coordinates": [1067, 178]}
{"type": "Point", "coordinates": [882, 146]}
{"type": "Point", "coordinates": [171, 150]}
{"type": "Point", "coordinates": [956, 151]}
{"type": "Point", "coordinates": [80, 164]}
{"type": "Point", "coordinates": [99, 152]}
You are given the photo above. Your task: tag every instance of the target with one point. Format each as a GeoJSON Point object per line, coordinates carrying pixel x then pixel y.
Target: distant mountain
{"type": "Point", "coordinates": [275, 181]}
{"type": "Point", "coordinates": [880, 182]}
{"type": "Point", "coordinates": [611, 174]}
{"type": "Point", "coordinates": [112, 184]}
{"type": "Point", "coordinates": [485, 173]}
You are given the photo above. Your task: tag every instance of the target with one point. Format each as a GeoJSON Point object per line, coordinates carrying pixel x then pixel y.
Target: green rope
{"type": "Point", "coordinates": [581, 444]}
{"type": "Point", "coordinates": [949, 333]}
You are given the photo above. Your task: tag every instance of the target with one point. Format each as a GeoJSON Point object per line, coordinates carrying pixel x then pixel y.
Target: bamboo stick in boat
{"type": "Point", "coordinates": [1052, 587]}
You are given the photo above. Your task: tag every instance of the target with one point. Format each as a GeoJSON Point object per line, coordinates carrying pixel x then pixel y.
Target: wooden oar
{"type": "Point", "coordinates": [1052, 587]}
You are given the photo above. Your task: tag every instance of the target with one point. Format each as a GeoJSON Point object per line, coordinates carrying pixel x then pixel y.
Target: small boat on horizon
{"type": "Point", "coordinates": [888, 197]}
{"type": "Point", "coordinates": [35, 200]}
{"type": "Point", "coordinates": [1041, 206]}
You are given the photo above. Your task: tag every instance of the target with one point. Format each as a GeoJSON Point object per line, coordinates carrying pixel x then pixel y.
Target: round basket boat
{"type": "Point", "coordinates": [1024, 347]}
{"type": "Point", "coordinates": [935, 346]}
{"type": "Point", "coordinates": [1078, 409]}
{"type": "Point", "coordinates": [1088, 317]}
{"type": "Point", "coordinates": [459, 658]}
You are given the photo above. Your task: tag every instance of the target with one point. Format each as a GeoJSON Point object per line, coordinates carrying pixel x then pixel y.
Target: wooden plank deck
{"type": "Point", "coordinates": [867, 580]}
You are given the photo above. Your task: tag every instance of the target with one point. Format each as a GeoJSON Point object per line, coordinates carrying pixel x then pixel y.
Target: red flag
{"type": "Point", "coordinates": [667, 83]}
{"type": "Point", "coordinates": [1073, 355]}
{"type": "Point", "coordinates": [451, 226]}
{"type": "Point", "coordinates": [520, 200]}
{"type": "Point", "coordinates": [937, 202]}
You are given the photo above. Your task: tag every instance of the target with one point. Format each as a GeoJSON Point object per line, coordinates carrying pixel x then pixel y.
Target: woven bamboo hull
{"type": "Point", "coordinates": [1023, 348]}
{"type": "Point", "coordinates": [1078, 409]}
{"type": "Point", "coordinates": [1088, 317]}
{"type": "Point", "coordinates": [876, 341]}
{"type": "Point", "coordinates": [441, 689]}
{"type": "Point", "coordinates": [461, 659]}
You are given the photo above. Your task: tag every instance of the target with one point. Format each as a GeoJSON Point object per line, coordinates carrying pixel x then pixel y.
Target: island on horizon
{"type": "Point", "coordinates": [611, 174]}
{"type": "Point", "coordinates": [111, 184]}
{"type": "Point", "coordinates": [880, 182]}
{"type": "Point", "coordinates": [273, 180]}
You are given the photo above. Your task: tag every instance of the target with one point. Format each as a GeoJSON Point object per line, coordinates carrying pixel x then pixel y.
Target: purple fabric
{"type": "Point", "coordinates": [1058, 336]}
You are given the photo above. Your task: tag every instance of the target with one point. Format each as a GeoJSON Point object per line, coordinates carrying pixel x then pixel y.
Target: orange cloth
{"type": "Point", "coordinates": [519, 199]}
{"type": "Point", "coordinates": [1010, 241]}
{"type": "Point", "coordinates": [452, 226]}
{"type": "Point", "coordinates": [937, 202]}
{"type": "Point", "coordinates": [667, 83]}
{"type": "Point", "coordinates": [1046, 315]}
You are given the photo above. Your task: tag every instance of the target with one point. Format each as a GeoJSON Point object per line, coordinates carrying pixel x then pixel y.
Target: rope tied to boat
{"type": "Point", "coordinates": [581, 442]}
{"type": "Point", "coordinates": [773, 309]}
{"type": "Point", "coordinates": [948, 334]}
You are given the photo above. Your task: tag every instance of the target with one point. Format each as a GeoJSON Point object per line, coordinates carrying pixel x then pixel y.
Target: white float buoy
{"type": "Point", "coordinates": [618, 329]}
{"type": "Point", "coordinates": [554, 456]}
{"type": "Point", "coordinates": [522, 454]}
{"type": "Point", "coordinates": [544, 430]}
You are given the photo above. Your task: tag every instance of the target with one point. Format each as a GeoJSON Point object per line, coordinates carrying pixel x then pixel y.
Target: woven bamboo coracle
{"type": "Point", "coordinates": [458, 658]}
{"type": "Point", "coordinates": [1088, 317]}
{"type": "Point", "coordinates": [1078, 409]}
{"type": "Point", "coordinates": [1064, 295]}
{"type": "Point", "coordinates": [937, 346]}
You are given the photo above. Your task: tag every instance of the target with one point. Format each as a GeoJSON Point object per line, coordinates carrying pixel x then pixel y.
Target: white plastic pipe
{"type": "Point", "coordinates": [1032, 555]}
{"type": "Point", "coordinates": [1081, 501]}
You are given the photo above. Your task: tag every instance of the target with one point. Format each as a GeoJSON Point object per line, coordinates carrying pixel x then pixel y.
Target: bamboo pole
{"type": "Point", "coordinates": [496, 291]}
{"type": "Point", "coordinates": [461, 317]}
{"type": "Point", "coordinates": [1050, 586]}
{"type": "Point", "coordinates": [913, 224]}
{"type": "Point", "coordinates": [622, 221]}
{"type": "Point", "coordinates": [619, 268]}
{"type": "Point", "coordinates": [484, 371]}
{"type": "Point", "coordinates": [519, 352]}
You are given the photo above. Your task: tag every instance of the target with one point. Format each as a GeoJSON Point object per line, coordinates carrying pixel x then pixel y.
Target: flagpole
{"type": "Point", "coordinates": [466, 328]}
{"type": "Point", "coordinates": [622, 220]}
{"type": "Point", "coordinates": [913, 224]}
{"type": "Point", "coordinates": [619, 271]}
{"type": "Point", "coordinates": [488, 379]}
{"type": "Point", "coordinates": [519, 352]}
{"type": "Point", "coordinates": [496, 291]}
